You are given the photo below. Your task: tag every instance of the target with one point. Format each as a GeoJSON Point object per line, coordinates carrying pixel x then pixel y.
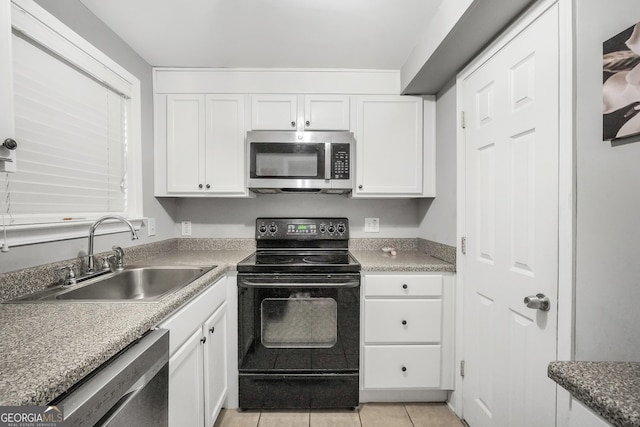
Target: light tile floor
{"type": "Point", "coordinates": [368, 415]}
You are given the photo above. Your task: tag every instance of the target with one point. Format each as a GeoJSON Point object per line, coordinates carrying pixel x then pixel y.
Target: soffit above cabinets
{"type": "Point", "coordinates": [354, 34]}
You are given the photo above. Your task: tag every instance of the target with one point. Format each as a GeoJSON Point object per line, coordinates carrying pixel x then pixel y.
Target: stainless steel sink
{"type": "Point", "coordinates": [132, 284]}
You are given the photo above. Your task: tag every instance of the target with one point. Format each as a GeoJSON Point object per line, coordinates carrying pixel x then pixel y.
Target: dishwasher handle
{"type": "Point", "coordinates": [101, 397]}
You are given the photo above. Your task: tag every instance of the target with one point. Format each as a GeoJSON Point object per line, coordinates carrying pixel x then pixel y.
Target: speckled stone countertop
{"type": "Point", "coordinates": [403, 261]}
{"type": "Point", "coordinates": [45, 348]}
{"type": "Point", "coordinates": [611, 389]}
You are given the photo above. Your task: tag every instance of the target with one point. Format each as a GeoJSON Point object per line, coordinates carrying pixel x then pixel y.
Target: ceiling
{"type": "Point", "coordinates": [351, 34]}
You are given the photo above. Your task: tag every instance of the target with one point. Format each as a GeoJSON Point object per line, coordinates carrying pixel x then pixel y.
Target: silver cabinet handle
{"type": "Point", "coordinates": [293, 124]}
{"type": "Point", "coordinates": [307, 123]}
{"type": "Point", "coordinates": [538, 302]}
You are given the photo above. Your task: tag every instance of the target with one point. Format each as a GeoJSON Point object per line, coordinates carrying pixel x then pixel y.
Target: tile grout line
{"type": "Point", "coordinates": [408, 414]}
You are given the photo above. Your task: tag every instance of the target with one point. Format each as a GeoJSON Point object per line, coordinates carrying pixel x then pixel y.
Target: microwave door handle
{"type": "Point", "coordinates": [327, 160]}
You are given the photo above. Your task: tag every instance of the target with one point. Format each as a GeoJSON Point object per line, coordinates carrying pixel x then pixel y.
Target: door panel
{"type": "Point", "coordinates": [511, 154]}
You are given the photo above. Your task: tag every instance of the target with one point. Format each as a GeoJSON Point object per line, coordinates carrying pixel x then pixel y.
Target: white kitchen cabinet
{"type": "Point", "coordinates": [186, 389]}
{"type": "Point", "coordinates": [407, 333]}
{"type": "Point", "coordinates": [394, 156]}
{"type": "Point", "coordinates": [274, 112]}
{"type": "Point", "coordinates": [300, 112]}
{"type": "Point", "coordinates": [198, 377]}
{"type": "Point", "coordinates": [200, 148]}
{"type": "Point", "coordinates": [215, 364]}
{"type": "Point", "coordinates": [326, 112]}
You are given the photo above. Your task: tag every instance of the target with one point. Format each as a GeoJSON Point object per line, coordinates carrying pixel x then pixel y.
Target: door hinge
{"type": "Point", "coordinates": [463, 245]}
{"type": "Point", "coordinates": [462, 368]}
{"type": "Point", "coordinates": [463, 125]}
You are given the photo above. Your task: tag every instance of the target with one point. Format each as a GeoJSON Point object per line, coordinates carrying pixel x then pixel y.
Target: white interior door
{"type": "Point", "coordinates": [511, 225]}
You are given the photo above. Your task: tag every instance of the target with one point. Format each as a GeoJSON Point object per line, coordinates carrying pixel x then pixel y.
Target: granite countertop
{"type": "Point", "coordinates": [45, 348]}
{"type": "Point", "coordinates": [403, 261]}
{"type": "Point", "coordinates": [611, 389]}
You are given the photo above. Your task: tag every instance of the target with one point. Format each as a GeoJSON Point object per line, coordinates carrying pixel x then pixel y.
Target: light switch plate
{"type": "Point", "coordinates": [151, 227]}
{"type": "Point", "coordinates": [186, 228]}
{"type": "Point", "coordinates": [372, 225]}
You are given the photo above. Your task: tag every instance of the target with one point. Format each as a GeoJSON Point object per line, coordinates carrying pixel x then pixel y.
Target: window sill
{"type": "Point", "coordinates": [30, 234]}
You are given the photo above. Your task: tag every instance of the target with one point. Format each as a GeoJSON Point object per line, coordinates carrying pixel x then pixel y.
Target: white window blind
{"type": "Point", "coordinates": [72, 133]}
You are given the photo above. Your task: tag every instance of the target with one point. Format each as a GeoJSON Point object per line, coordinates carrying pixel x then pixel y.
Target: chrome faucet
{"type": "Point", "coordinates": [92, 230]}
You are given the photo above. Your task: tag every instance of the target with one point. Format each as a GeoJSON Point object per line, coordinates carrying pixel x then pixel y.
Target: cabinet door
{"type": "Point", "coordinates": [186, 392]}
{"type": "Point", "coordinates": [225, 148]}
{"type": "Point", "coordinates": [185, 143]}
{"type": "Point", "coordinates": [215, 363]}
{"type": "Point", "coordinates": [389, 151]}
{"type": "Point", "coordinates": [273, 112]}
{"type": "Point", "coordinates": [7, 128]}
{"type": "Point", "coordinates": [326, 112]}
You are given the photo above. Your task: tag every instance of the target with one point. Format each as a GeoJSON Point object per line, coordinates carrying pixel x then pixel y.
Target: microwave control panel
{"type": "Point", "coordinates": [340, 161]}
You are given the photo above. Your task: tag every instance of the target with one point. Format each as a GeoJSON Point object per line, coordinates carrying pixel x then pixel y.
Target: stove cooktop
{"type": "Point", "coordinates": [299, 262]}
{"type": "Point", "coordinates": [301, 245]}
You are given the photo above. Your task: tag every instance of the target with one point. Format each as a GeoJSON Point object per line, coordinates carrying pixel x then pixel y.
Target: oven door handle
{"type": "Point", "coordinates": [250, 284]}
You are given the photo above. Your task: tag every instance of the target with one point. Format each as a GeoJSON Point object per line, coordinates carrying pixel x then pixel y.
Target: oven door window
{"type": "Point", "coordinates": [285, 160]}
{"type": "Point", "coordinates": [299, 322]}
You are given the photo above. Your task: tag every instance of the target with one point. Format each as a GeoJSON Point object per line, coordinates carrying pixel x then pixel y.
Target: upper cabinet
{"type": "Point", "coordinates": [300, 112]}
{"type": "Point", "coordinates": [326, 112]}
{"type": "Point", "coordinates": [202, 115]}
{"type": "Point", "coordinates": [394, 146]}
{"type": "Point", "coordinates": [200, 147]}
{"type": "Point", "coordinates": [274, 112]}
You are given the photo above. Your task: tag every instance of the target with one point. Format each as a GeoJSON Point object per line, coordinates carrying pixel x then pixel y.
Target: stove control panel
{"type": "Point", "coordinates": [302, 228]}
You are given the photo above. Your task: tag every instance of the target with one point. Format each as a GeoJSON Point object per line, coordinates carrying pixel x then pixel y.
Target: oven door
{"type": "Point", "coordinates": [299, 339]}
{"type": "Point", "coordinates": [298, 323]}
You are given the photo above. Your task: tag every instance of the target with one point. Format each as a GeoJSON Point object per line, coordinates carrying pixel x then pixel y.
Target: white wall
{"type": "Point", "coordinates": [78, 18]}
{"type": "Point", "coordinates": [236, 217]}
{"type": "Point", "coordinates": [608, 201]}
{"type": "Point", "coordinates": [438, 215]}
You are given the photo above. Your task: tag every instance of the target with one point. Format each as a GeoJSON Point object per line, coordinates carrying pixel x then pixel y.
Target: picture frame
{"type": "Point", "coordinates": [621, 85]}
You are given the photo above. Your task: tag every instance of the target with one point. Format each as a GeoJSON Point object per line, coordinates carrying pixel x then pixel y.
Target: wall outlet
{"type": "Point", "coordinates": [151, 227]}
{"type": "Point", "coordinates": [186, 228]}
{"type": "Point", "coordinates": [372, 225]}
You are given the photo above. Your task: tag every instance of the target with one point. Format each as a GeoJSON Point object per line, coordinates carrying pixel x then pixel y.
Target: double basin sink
{"type": "Point", "coordinates": [134, 283]}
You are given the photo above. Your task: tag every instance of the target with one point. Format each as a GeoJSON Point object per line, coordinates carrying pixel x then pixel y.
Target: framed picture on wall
{"type": "Point", "coordinates": [621, 84]}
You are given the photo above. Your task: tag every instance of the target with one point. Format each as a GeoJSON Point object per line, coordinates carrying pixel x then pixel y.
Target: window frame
{"type": "Point", "coordinates": [39, 25]}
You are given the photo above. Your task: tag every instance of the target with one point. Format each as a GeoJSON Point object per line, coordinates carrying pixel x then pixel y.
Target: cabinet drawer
{"type": "Point", "coordinates": [403, 321]}
{"type": "Point", "coordinates": [383, 366]}
{"type": "Point", "coordinates": [191, 316]}
{"type": "Point", "coordinates": [403, 285]}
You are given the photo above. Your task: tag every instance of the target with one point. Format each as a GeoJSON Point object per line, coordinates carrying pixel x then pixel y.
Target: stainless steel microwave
{"type": "Point", "coordinates": [300, 162]}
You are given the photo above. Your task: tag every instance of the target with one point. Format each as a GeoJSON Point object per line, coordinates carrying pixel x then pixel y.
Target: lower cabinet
{"type": "Point", "coordinates": [407, 331]}
{"type": "Point", "coordinates": [198, 358]}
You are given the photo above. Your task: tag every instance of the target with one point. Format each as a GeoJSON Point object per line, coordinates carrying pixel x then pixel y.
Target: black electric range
{"type": "Point", "coordinates": [299, 316]}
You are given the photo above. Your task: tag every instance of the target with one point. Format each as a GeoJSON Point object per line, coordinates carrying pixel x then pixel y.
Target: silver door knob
{"type": "Point", "coordinates": [537, 302]}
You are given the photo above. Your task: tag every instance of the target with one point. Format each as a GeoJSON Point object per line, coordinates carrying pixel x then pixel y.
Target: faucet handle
{"type": "Point", "coordinates": [105, 263]}
{"type": "Point", "coordinates": [70, 276]}
{"type": "Point", "coordinates": [118, 258]}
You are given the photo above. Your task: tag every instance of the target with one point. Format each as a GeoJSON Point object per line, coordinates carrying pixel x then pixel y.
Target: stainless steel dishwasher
{"type": "Point", "coordinates": [131, 389]}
